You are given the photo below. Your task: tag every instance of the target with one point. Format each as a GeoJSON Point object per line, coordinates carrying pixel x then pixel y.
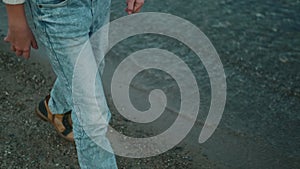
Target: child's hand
{"type": "Point", "coordinates": [21, 40]}
{"type": "Point", "coordinates": [19, 34]}
{"type": "Point", "coordinates": [134, 6]}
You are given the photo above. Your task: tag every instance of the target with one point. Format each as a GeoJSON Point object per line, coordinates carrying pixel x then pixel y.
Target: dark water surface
{"type": "Point", "coordinates": [258, 43]}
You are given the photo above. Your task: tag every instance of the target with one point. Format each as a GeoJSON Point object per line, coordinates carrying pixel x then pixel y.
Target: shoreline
{"type": "Point", "coordinates": [24, 83]}
{"type": "Point", "coordinates": [28, 142]}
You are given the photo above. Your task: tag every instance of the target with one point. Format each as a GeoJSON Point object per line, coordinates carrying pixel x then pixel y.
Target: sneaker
{"type": "Point", "coordinates": [61, 122]}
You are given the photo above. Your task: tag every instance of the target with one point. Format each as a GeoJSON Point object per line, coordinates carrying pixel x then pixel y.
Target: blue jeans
{"type": "Point", "coordinates": [63, 27]}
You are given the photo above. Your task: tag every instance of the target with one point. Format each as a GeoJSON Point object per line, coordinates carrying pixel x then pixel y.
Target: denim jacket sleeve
{"type": "Point", "coordinates": [13, 2]}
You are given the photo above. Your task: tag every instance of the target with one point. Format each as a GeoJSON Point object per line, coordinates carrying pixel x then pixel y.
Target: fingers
{"type": "Point", "coordinates": [134, 6]}
{"type": "Point", "coordinates": [34, 44]}
{"type": "Point", "coordinates": [19, 53]}
{"type": "Point", "coordinates": [137, 9]}
{"type": "Point", "coordinates": [138, 5]}
{"type": "Point", "coordinates": [130, 6]}
{"type": "Point", "coordinates": [21, 41]}
{"type": "Point", "coordinates": [12, 48]}
{"type": "Point", "coordinates": [26, 54]}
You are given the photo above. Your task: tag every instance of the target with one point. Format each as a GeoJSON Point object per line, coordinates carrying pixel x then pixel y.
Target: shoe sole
{"type": "Point", "coordinates": [40, 115]}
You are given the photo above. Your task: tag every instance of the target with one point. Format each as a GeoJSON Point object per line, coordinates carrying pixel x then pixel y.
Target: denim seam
{"type": "Point", "coordinates": [56, 57]}
{"type": "Point", "coordinates": [64, 76]}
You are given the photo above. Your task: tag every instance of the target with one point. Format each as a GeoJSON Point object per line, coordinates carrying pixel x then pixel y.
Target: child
{"type": "Point", "coordinates": [63, 27]}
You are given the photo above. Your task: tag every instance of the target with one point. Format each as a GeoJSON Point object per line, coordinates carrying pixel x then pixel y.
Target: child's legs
{"type": "Point", "coordinates": [64, 30]}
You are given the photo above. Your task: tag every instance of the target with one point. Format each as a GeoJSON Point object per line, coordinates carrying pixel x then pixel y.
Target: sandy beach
{"type": "Point", "coordinates": [29, 142]}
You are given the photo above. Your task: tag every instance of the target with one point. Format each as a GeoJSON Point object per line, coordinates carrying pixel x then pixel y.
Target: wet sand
{"type": "Point", "coordinates": [29, 142]}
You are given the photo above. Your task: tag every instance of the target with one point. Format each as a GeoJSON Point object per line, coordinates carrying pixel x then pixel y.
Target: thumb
{"type": "Point", "coordinates": [6, 39]}
{"type": "Point", "coordinates": [34, 44]}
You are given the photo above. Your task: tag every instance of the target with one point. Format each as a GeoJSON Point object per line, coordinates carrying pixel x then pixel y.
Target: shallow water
{"type": "Point", "coordinates": [258, 43]}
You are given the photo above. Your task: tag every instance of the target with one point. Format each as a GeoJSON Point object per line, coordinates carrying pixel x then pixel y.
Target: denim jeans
{"type": "Point", "coordinates": [63, 27]}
